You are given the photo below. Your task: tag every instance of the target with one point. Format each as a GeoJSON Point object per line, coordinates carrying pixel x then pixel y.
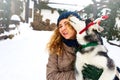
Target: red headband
{"type": "Point", "coordinates": [92, 23]}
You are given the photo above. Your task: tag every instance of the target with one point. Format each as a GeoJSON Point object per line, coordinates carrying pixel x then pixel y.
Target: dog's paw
{"type": "Point", "coordinates": [76, 23]}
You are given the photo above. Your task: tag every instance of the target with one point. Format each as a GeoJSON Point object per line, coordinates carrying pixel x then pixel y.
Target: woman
{"type": "Point", "coordinates": [62, 50]}
{"type": "Point", "coordinates": [61, 47]}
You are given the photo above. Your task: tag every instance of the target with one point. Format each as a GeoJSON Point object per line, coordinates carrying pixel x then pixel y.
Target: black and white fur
{"type": "Point", "coordinates": [93, 55]}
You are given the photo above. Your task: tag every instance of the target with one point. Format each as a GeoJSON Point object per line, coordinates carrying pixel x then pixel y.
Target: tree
{"type": "Point", "coordinates": [7, 10]}
{"type": "Point", "coordinates": [111, 32]}
{"type": "Point", "coordinates": [17, 7]}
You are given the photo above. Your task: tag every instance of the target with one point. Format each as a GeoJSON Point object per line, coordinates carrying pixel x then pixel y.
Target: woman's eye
{"type": "Point", "coordinates": [66, 23]}
{"type": "Point", "coordinates": [59, 26]}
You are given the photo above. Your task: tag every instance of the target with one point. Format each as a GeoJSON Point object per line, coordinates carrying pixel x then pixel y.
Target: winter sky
{"type": "Point", "coordinates": [76, 4]}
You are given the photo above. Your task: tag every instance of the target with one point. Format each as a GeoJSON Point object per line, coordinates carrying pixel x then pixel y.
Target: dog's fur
{"type": "Point", "coordinates": [93, 55]}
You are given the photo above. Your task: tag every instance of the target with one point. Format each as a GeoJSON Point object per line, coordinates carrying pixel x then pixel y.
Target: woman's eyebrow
{"type": "Point", "coordinates": [66, 22]}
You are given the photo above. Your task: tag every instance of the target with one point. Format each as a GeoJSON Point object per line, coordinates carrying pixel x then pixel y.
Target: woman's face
{"type": "Point", "coordinates": [66, 30]}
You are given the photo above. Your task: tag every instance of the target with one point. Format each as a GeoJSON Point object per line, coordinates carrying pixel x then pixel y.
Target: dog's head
{"type": "Point", "coordinates": [86, 33]}
{"type": "Point", "coordinates": [80, 26]}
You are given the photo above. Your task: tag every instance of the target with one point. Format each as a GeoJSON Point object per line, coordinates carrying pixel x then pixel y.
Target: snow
{"type": "Point", "coordinates": [117, 23]}
{"type": "Point", "coordinates": [15, 17]}
{"type": "Point", "coordinates": [25, 56]}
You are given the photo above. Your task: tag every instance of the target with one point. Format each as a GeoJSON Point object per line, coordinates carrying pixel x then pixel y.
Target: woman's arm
{"type": "Point", "coordinates": [53, 72]}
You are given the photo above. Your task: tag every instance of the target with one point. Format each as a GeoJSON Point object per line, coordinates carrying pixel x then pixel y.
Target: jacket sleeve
{"type": "Point", "coordinates": [53, 72]}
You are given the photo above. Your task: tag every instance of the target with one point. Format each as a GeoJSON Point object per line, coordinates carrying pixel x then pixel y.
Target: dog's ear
{"type": "Point", "coordinates": [98, 28]}
{"type": "Point", "coordinates": [87, 21]}
{"type": "Point", "coordinates": [98, 21]}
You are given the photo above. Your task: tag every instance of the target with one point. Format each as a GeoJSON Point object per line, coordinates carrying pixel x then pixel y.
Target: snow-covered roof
{"type": "Point", "coordinates": [15, 17]}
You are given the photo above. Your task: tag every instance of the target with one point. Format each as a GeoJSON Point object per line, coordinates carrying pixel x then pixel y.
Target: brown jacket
{"type": "Point", "coordinates": [61, 67]}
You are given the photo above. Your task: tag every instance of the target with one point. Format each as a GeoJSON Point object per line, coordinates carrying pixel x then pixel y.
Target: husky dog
{"type": "Point", "coordinates": [91, 51]}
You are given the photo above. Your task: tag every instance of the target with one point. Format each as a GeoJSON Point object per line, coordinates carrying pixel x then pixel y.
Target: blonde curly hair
{"type": "Point", "coordinates": [55, 44]}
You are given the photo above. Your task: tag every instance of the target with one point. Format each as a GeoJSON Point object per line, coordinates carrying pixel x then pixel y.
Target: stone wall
{"type": "Point", "coordinates": [39, 24]}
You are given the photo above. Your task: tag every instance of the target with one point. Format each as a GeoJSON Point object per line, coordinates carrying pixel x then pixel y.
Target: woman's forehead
{"type": "Point", "coordinates": [63, 21]}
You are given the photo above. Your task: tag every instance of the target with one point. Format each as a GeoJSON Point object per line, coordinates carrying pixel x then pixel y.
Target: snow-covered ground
{"type": "Point", "coordinates": [25, 56]}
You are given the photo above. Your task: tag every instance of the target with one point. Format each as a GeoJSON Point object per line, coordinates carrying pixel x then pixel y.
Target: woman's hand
{"type": "Point", "coordinates": [91, 72]}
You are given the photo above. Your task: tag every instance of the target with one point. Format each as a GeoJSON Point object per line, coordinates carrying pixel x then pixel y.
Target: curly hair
{"type": "Point", "coordinates": [55, 44]}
